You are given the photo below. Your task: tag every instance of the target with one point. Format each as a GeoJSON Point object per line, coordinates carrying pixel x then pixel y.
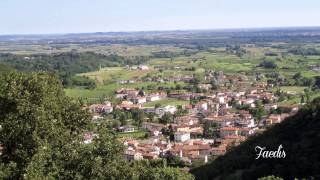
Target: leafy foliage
{"type": "Point", "coordinates": [42, 136]}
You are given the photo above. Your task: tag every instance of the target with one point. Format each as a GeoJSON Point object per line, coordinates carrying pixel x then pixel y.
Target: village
{"type": "Point", "coordinates": [213, 121]}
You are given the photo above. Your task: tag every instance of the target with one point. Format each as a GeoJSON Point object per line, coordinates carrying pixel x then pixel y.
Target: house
{"type": "Point", "coordinates": [245, 114]}
{"type": "Point", "coordinates": [167, 109]}
{"type": "Point", "coordinates": [127, 105]}
{"type": "Point", "coordinates": [181, 136]}
{"type": "Point", "coordinates": [249, 102]}
{"type": "Point", "coordinates": [220, 99]}
{"type": "Point", "coordinates": [247, 131]}
{"type": "Point", "coordinates": [131, 143]}
{"type": "Point", "coordinates": [143, 67]}
{"type": "Point", "coordinates": [218, 151]}
{"type": "Point", "coordinates": [233, 140]}
{"type": "Point", "coordinates": [153, 128]}
{"type": "Point", "coordinates": [121, 93]}
{"type": "Point", "coordinates": [132, 155]}
{"type": "Point", "coordinates": [269, 107]}
{"type": "Point", "coordinates": [229, 131]}
{"type": "Point", "coordinates": [202, 106]}
{"type": "Point", "coordinates": [150, 156]}
{"type": "Point", "coordinates": [149, 125]}
{"type": "Point", "coordinates": [101, 108]}
{"type": "Point", "coordinates": [193, 130]}
{"type": "Point", "coordinates": [126, 129]}
{"type": "Point", "coordinates": [241, 92]}
{"type": "Point", "coordinates": [253, 96]}
{"type": "Point", "coordinates": [276, 118]}
{"type": "Point", "coordinates": [187, 120]}
{"type": "Point", "coordinates": [139, 99]}
{"type": "Point", "coordinates": [221, 121]}
{"type": "Point", "coordinates": [153, 97]}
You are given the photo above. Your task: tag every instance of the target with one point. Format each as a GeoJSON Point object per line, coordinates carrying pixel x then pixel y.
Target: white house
{"type": "Point", "coordinates": [167, 109]}
{"type": "Point", "coordinates": [181, 136]}
{"type": "Point", "coordinates": [143, 67]}
{"type": "Point", "coordinates": [139, 100]}
{"type": "Point", "coordinates": [221, 99]}
{"type": "Point", "coordinates": [153, 97]}
{"type": "Point", "coordinates": [127, 128]}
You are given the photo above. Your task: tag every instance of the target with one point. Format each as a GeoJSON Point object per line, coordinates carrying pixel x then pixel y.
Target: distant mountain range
{"type": "Point", "coordinates": [177, 34]}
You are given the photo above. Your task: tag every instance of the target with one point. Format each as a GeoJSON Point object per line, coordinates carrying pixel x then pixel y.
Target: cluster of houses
{"type": "Point", "coordinates": [185, 78]}
{"type": "Point", "coordinates": [188, 151]}
{"type": "Point", "coordinates": [211, 125]}
{"type": "Point", "coordinates": [139, 97]}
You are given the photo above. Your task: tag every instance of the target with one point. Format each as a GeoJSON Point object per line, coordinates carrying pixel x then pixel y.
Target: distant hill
{"type": "Point", "coordinates": [209, 37]}
{"type": "Point", "coordinates": [300, 138]}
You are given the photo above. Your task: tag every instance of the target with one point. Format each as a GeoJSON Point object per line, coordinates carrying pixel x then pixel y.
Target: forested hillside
{"type": "Point", "coordinates": [66, 65]}
{"type": "Point", "coordinates": [299, 135]}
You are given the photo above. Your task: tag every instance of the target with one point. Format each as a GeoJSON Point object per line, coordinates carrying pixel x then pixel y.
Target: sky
{"type": "Point", "coordinates": [77, 16]}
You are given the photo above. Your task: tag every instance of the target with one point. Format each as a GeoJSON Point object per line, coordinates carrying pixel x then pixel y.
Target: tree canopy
{"type": "Point", "coordinates": [42, 136]}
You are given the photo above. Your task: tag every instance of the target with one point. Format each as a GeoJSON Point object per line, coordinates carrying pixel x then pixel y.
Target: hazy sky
{"type": "Point", "coordinates": [72, 16]}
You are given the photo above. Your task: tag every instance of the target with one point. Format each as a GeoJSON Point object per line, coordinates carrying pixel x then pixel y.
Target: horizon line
{"type": "Point", "coordinates": [164, 30]}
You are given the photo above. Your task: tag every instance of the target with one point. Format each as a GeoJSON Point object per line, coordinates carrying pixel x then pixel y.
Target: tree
{"type": "Point", "coordinates": [302, 99]}
{"type": "Point", "coordinates": [34, 111]}
{"type": "Point", "coordinates": [166, 118]}
{"type": "Point", "coordinates": [258, 111]}
{"type": "Point", "coordinates": [141, 93]}
{"type": "Point", "coordinates": [307, 94]}
{"type": "Point", "coordinates": [157, 105]}
{"type": "Point", "coordinates": [268, 64]}
{"type": "Point", "coordinates": [42, 136]}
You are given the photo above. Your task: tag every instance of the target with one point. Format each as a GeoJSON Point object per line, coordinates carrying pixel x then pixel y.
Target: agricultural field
{"type": "Point", "coordinates": [165, 102]}
{"type": "Point", "coordinates": [216, 59]}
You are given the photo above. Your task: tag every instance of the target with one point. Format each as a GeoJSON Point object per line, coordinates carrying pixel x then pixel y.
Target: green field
{"type": "Point", "coordinates": [107, 90]}
{"type": "Point", "coordinates": [216, 59]}
{"type": "Point", "coordinates": [297, 100]}
{"type": "Point", "coordinates": [115, 73]}
{"type": "Point", "coordinates": [165, 102]}
{"type": "Point", "coordinates": [137, 134]}
{"type": "Point", "coordinates": [295, 89]}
